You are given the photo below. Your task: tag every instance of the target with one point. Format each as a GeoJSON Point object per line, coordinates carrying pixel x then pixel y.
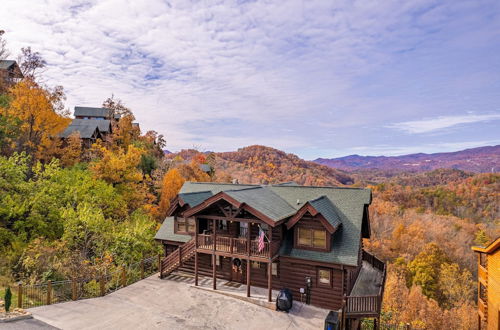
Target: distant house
{"type": "Point", "coordinates": [91, 123]}
{"type": "Point", "coordinates": [10, 73]}
{"type": "Point", "coordinates": [306, 239]}
{"type": "Point", "coordinates": [89, 132]}
{"type": "Point", "coordinates": [488, 273]}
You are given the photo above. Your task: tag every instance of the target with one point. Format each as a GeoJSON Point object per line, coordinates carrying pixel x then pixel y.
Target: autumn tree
{"type": "Point", "coordinates": [30, 63]}
{"type": "Point", "coordinates": [117, 107]}
{"type": "Point", "coordinates": [39, 122]}
{"type": "Point", "coordinates": [72, 151]}
{"type": "Point", "coordinates": [171, 184]}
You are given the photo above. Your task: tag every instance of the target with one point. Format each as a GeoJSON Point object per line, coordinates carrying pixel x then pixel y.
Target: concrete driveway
{"type": "Point", "coordinates": [166, 304]}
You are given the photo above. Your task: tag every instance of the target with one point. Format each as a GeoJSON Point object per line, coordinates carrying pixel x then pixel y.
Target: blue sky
{"type": "Point", "coordinates": [316, 78]}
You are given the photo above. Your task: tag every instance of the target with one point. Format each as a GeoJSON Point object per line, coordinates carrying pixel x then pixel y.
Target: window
{"type": "Point", "coordinates": [186, 225]}
{"type": "Point", "coordinates": [255, 264]}
{"type": "Point", "coordinates": [243, 229]}
{"type": "Point", "coordinates": [324, 277]}
{"type": "Point", "coordinates": [222, 225]}
{"type": "Point", "coordinates": [274, 269]}
{"type": "Point", "coordinates": [313, 238]}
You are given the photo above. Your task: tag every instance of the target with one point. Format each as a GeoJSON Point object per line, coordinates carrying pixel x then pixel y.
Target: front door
{"type": "Point", "coordinates": [236, 270]}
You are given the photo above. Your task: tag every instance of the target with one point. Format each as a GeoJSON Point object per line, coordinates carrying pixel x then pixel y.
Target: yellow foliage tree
{"type": "Point", "coordinates": [40, 123]}
{"type": "Point", "coordinates": [72, 152]}
{"type": "Point", "coordinates": [120, 168]}
{"type": "Point", "coordinates": [171, 184]}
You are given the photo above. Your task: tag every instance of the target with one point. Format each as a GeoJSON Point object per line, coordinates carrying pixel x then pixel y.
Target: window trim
{"type": "Point", "coordinates": [184, 221]}
{"type": "Point", "coordinates": [327, 248]}
{"type": "Point", "coordinates": [318, 282]}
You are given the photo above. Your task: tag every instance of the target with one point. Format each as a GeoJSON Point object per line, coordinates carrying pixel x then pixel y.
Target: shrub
{"type": "Point", "coordinates": [8, 299]}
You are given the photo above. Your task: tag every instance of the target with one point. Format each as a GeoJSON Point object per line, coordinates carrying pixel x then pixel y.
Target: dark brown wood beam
{"type": "Point", "coordinates": [248, 277]}
{"type": "Point", "coordinates": [270, 282]}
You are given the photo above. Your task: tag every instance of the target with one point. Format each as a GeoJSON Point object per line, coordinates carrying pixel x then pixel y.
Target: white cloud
{"type": "Point", "coordinates": [310, 67]}
{"type": "Point", "coordinates": [442, 122]}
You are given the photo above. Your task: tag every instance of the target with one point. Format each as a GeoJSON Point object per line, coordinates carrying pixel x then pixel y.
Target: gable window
{"type": "Point", "coordinates": [312, 238]}
{"type": "Point", "coordinates": [186, 225]}
{"type": "Point", "coordinates": [324, 277]}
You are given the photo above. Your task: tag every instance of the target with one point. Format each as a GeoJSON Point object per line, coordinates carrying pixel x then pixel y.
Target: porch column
{"type": "Point", "coordinates": [249, 228]}
{"type": "Point", "coordinates": [196, 251]}
{"type": "Point", "coordinates": [248, 277]}
{"type": "Point", "coordinates": [214, 271]}
{"type": "Point", "coordinates": [270, 281]}
{"type": "Point", "coordinates": [214, 267]}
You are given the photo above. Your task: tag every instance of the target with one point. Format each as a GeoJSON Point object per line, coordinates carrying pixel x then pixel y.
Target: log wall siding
{"type": "Point", "coordinates": [293, 276]}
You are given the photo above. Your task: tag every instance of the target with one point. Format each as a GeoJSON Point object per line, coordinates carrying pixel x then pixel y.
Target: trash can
{"type": "Point", "coordinates": [332, 321]}
{"type": "Point", "coordinates": [284, 301]}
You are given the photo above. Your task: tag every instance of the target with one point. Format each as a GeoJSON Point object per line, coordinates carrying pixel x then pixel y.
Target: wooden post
{"type": "Point", "coordinates": [142, 268]}
{"type": "Point", "coordinates": [196, 226]}
{"type": "Point", "coordinates": [270, 281]}
{"type": "Point", "coordinates": [20, 295]}
{"type": "Point", "coordinates": [49, 292]}
{"type": "Point", "coordinates": [124, 277]}
{"type": "Point", "coordinates": [248, 277]}
{"type": "Point", "coordinates": [102, 284]}
{"type": "Point", "coordinates": [73, 289]}
{"type": "Point", "coordinates": [214, 234]}
{"type": "Point", "coordinates": [214, 272]}
{"type": "Point", "coordinates": [249, 229]}
{"type": "Point", "coordinates": [159, 265]}
{"type": "Point", "coordinates": [179, 251]}
{"type": "Point", "coordinates": [195, 268]}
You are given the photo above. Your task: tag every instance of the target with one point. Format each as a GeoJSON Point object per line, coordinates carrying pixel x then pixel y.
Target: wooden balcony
{"type": "Point", "coordinates": [367, 294]}
{"type": "Point", "coordinates": [482, 274]}
{"type": "Point", "coordinates": [237, 246]}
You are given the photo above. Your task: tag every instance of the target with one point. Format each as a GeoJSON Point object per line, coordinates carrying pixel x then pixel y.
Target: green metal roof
{"type": "Point", "coordinates": [324, 206]}
{"type": "Point", "coordinates": [265, 201]}
{"type": "Point", "coordinates": [195, 198]}
{"type": "Point", "coordinates": [166, 232]}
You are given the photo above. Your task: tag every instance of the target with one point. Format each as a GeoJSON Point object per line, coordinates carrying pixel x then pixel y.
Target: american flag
{"type": "Point", "coordinates": [261, 240]}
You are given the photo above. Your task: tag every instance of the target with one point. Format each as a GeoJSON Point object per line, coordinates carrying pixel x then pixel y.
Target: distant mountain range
{"type": "Point", "coordinates": [479, 160]}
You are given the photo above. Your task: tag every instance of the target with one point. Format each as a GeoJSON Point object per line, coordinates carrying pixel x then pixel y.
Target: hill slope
{"type": "Point", "coordinates": [480, 160]}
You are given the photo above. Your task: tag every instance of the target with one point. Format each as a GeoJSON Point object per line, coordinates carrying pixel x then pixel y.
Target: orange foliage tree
{"type": "Point", "coordinates": [171, 184]}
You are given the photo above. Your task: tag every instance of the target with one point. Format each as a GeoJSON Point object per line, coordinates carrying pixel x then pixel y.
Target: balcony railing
{"type": "Point", "coordinates": [237, 246]}
{"type": "Point", "coordinates": [368, 305]}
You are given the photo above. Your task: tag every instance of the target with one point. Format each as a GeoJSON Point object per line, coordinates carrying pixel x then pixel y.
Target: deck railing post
{"type": "Point", "coordinates": [49, 292]}
{"type": "Point", "coordinates": [124, 276]}
{"type": "Point", "coordinates": [20, 295]}
{"type": "Point", "coordinates": [73, 289]}
{"type": "Point", "coordinates": [159, 265]}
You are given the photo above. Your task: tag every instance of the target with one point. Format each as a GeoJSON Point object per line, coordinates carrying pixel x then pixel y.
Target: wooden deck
{"type": "Point", "coordinates": [366, 295]}
{"type": "Point", "coordinates": [237, 246]}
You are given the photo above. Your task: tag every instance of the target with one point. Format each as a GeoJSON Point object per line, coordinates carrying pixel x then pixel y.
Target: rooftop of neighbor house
{"type": "Point", "coordinates": [342, 207]}
{"type": "Point", "coordinates": [93, 112]}
{"type": "Point", "coordinates": [85, 127]}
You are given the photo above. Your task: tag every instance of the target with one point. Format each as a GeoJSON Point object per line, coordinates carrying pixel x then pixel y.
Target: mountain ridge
{"type": "Point", "coordinates": [479, 160]}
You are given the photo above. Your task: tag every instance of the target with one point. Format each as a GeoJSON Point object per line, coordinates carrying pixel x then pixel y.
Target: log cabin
{"type": "Point", "coordinates": [10, 73]}
{"type": "Point", "coordinates": [488, 286]}
{"type": "Point", "coordinates": [307, 239]}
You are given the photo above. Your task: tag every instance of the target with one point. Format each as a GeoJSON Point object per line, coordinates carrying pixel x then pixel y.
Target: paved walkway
{"type": "Point", "coordinates": [29, 324]}
{"type": "Point", "coordinates": [174, 304]}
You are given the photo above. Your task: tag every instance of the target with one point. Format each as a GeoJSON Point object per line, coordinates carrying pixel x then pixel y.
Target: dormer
{"type": "Point", "coordinates": [314, 224]}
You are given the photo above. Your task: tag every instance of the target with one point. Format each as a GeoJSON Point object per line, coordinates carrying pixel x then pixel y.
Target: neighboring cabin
{"type": "Point", "coordinates": [91, 124]}
{"type": "Point", "coordinates": [10, 73]}
{"type": "Point", "coordinates": [312, 242]}
{"type": "Point", "coordinates": [488, 300]}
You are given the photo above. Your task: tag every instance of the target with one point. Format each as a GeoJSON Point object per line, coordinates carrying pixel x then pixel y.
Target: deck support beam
{"type": "Point", "coordinates": [270, 281]}
{"type": "Point", "coordinates": [214, 265]}
{"type": "Point", "coordinates": [248, 277]}
{"type": "Point", "coordinates": [195, 268]}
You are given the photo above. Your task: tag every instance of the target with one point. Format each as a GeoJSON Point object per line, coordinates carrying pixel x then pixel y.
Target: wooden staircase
{"type": "Point", "coordinates": [176, 258]}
